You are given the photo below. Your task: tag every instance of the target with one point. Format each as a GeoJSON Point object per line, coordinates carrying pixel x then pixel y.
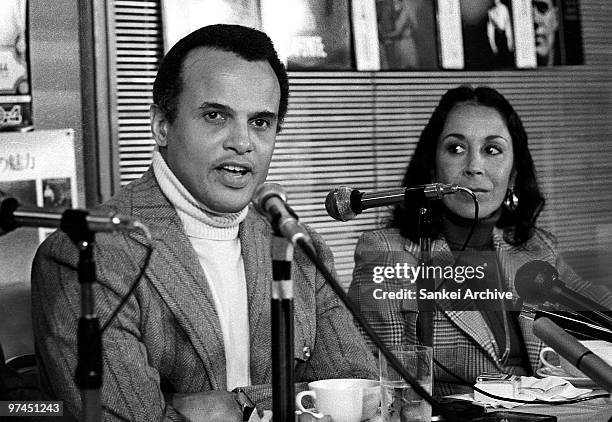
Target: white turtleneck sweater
{"type": "Point", "coordinates": [215, 239]}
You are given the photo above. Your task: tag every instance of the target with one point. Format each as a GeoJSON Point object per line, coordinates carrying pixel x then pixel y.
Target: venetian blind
{"type": "Point", "coordinates": [359, 129]}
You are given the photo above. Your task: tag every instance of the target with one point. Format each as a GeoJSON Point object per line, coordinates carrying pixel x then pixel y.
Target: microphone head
{"type": "Point", "coordinates": [338, 204]}
{"type": "Point", "coordinates": [264, 192]}
{"type": "Point", "coordinates": [534, 281]}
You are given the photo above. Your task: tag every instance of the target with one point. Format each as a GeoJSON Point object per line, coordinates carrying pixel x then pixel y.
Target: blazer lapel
{"type": "Point", "coordinates": [255, 239]}
{"type": "Point", "coordinates": [178, 277]}
{"type": "Point", "coordinates": [511, 258]}
{"type": "Point", "coordinates": [470, 322]}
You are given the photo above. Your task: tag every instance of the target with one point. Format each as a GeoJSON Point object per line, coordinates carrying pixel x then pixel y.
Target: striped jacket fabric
{"type": "Point", "coordinates": [167, 339]}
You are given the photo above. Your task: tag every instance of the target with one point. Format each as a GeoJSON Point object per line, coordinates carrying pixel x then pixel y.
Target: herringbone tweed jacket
{"type": "Point", "coordinates": [168, 338]}
{"type": "Point", "coordinates": [463, 341]}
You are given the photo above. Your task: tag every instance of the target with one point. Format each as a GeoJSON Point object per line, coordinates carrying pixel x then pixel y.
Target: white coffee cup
{"type": "Point", "coordinates": [344, 399]}
{"type": "Point", "coordinates": [603, 349]}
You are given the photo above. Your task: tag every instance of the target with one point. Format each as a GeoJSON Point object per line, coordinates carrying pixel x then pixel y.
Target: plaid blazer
{"type": "Point", "coordinates": [167, 339]}
{"type": "Point", "coordinates": [463, 342]}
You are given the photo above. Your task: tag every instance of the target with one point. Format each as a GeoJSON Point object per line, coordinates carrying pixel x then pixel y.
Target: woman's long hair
{"type": "Point", "coordinates": [518, 224]}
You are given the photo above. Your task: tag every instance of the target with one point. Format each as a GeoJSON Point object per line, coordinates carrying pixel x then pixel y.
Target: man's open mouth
{"type": "Point", "coordinates": [233, 169]}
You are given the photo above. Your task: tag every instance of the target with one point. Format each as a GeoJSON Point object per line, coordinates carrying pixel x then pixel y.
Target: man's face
{"type": "Point", "coordinates": [221, 142]}
{"type": "Point", "coordinates": [545, 24]}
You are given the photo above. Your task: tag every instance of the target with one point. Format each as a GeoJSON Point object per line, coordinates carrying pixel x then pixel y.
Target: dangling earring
{"type": "Point", "coordinates": [511, 200]}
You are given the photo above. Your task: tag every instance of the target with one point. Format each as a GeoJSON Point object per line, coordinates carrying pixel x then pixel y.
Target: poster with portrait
{"type": "Point", "coordinates": [488, 34]}
{"type": "Point", "coordinates": [182, 17]}
{"type": "Point", "coordinates": [406, 34]}
{"type": "Point", "coordinates": [15, 98]}
{"type": "Point", "coordinates": [558, 32]}
{"type": "Point", "coordinates": [39, 169]}
{"type": "Point", "coordinates": [309, 34]}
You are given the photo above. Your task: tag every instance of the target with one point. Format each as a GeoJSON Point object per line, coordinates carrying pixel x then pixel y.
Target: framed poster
{"type": "Point", "coordinates": [182, 17]}
{"type": "Point", "coordinates": [15, 93]}
{"type": "Point", "coordinates": [39, 170]}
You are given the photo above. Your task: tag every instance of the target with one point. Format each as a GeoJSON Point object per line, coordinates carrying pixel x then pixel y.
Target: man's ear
{"type": "Point", "coordinates": [159, 126]}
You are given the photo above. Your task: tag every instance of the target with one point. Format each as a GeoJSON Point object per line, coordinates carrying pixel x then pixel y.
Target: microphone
{"type": "Point", "coordinates": [13, 215]}
{"type": "Point", "coordinates": [345, 203]}
{"type": "Point", "coordinates": [573, 323]}
{"type": "Point", "coordinates": [270, 200]}
{"type": "Point", "coordinates": [574, 352]}
{"type": "Point", "coordinates": [538, 281]}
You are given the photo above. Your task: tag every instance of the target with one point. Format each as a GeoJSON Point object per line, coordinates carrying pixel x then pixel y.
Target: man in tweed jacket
{"type": "Point", "coordinates": [219, 96]}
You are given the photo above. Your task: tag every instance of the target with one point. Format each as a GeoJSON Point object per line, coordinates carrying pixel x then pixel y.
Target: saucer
{"type": "Point", "coordinates": [578, 382]}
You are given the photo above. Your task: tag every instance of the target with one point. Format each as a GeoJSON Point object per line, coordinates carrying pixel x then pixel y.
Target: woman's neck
{"type": "Point", "coordinates": [456, 229]}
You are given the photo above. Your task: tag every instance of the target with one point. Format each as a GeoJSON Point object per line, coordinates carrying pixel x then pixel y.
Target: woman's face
{"type": "Point", "coordinates": [475, 151]}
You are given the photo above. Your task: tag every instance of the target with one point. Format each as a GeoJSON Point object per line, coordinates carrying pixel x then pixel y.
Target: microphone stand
{"type": "Point", "coordinates": [88, 376]}
{"type": "Point", "coordinates": [425, 306]}
{"type": "Point", "coordinates": [283, 390]}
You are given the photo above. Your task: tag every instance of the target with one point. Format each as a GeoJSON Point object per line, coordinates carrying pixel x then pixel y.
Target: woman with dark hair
{"type": "Point", "coordinates": [474, 139]}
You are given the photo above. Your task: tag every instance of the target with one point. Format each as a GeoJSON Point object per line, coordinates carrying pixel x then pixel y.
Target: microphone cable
{"type": "Point", "coordinates": [136, 282]}
{"type": "Point", "coordinates": [475, 220]}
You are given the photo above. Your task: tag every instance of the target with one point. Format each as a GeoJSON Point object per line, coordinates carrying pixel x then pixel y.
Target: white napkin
{"type": "Point", "coordinates": [550, 389]}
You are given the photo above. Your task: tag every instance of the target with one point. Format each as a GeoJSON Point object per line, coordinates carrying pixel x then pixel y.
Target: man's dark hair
{"type": "Point", "coordinates": [519, 223]}
{"type": "Point", "coordinates": [249, 44]}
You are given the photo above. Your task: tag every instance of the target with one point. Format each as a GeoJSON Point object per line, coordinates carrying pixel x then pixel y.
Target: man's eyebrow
{"type": "Point", "coordinates": [265, 114]}
{"type": "Point", "coordinates": [225, 108]}
{"type": "Point", "coordinates": [217, 106]}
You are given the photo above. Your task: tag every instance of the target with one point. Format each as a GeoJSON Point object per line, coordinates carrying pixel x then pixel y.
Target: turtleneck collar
{"type": "Point", "coordinates": [198, 220]}
{"type": "Point", "coordinates": [456, 230]}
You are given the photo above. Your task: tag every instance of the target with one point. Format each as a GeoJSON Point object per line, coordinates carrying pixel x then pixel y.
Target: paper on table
{"type": "Point", "coordinates": [549, 389]}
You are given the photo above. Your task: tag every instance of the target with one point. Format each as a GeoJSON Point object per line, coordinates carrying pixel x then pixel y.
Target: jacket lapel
{"type": "Point", "coordinates": [469, 321]}
{"type": "Point", "coordinates": [255, 239]}
{"type": "Point", "coordinates": [178, 277]}
{"type": "Point", "coordinates": [511, 258]}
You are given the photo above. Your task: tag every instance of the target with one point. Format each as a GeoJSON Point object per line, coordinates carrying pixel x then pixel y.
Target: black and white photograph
{"type": "Point", "coordinates": [306, 210]}
{"type": "Point", "coordinates": [57, 193]}
{"type": "Point", "coordinates": [488, 34]}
